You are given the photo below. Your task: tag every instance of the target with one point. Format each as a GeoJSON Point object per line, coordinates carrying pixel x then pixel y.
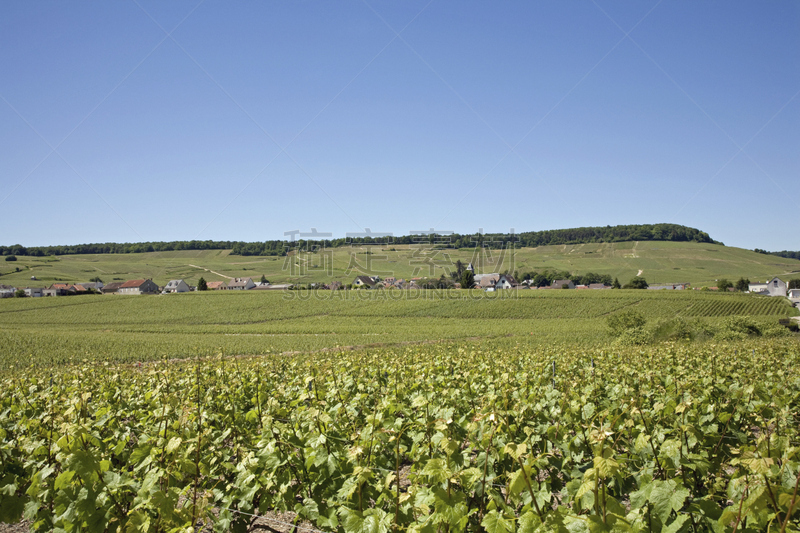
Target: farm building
{"type": "Point", "coordinates": [670, 287]}
{"type": "Point", "coordinates": [486, 280]}
{"type": "Point", "coordinates": [561, 283]}
{"type": "Point", "coordinates": [111, 288]}
{"type": "Point", "coordinates": [138, 286]}
{"type": "Point", "coordinates": [271, 287]}
{"type": "Point", "coordinates": [241, 284]}
{"type": "Point", "coordinates": [364, 281]}
{"type": "Point", "coordinates": [58, 289]}
{"type": "Point", "coordinates": [599, 286]}
{"type": "Point", "coordinates": [773, 287]}
{"type": "Point", "coordinates": [176, 285]}
{"type": "Point", "coordinates": [216, 286]}
{"type": "Point", "coordinates": [33, 292]}
{"type": "Point", "coordinates": [7, 291]}
{"type": "Point", "coordinates": [505, 282]}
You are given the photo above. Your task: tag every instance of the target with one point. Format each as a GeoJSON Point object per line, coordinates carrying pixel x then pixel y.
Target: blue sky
{"type": "Point", "coordinates": [150, 121]}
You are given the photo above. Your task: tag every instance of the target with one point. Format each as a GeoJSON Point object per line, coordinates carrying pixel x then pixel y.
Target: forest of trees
{"type": "Point", "coordinates": [786, 254]}
{"type": "Point", "coordinates": [638, 232]}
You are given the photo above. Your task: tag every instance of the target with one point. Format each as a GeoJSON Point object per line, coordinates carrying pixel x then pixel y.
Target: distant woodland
{"type": "Point", "coordinates": [531, 239]}
{"type": "Point", "coordinates": [786, 254]}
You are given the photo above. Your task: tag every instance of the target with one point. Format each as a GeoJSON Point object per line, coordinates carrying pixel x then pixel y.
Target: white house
{"type": "Point", "coordinates": [773, 287]}
{"type": "Point", "coordinates": [241, 284]}
{"type": "Point", "coordinates": [176, 285]}
{"type": "Point", "coordinates": [7, 291]}
{"type": "Point", "coordinates": [794, 294]}
{"type": "Point", "coordinates": [505, 282]}
{"type": "Point", "coordinates": [757, 288]}
{"type": "Point", "coordinates": [33, 292]}
{"type": "Point", "coordinates": [777, 287]}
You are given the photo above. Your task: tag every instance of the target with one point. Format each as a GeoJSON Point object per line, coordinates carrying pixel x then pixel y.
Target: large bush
{"type": "Point", "coordinates": [623, 321]}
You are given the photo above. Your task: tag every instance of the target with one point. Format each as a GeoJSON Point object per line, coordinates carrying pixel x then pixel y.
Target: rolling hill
{"type": "Point", "coordinates": [659, 262]}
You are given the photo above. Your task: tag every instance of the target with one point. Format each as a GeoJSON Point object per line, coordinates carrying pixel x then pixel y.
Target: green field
{"type": "Point", "coordinates": [453, 437]}
{"type": "Point", "coordinates": [48, 331]}
{"type": "Point", "coordinates": [660, 262]}
{"type": "Point", "coordinates": [387, 410]}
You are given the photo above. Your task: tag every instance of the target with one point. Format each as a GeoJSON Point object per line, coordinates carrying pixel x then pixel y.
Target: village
{"type": "Point", "coordinates": [486, 282]}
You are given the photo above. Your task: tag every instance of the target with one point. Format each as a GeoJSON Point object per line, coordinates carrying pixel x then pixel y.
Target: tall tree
{"type": "Point", "coordinates": [743, 285]}
{"type": "Point", "coordinates": [202, 285]}
{"type": "Point", "coordinates": [467, 279]}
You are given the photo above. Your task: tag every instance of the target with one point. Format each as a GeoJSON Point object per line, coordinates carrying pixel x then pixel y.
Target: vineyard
{"type": "Point", "coordinates": [447, 437]}
{"type": "Point", "coordinates": [54, 331]}
{"type": "Point", "coordinates": [428, 411]}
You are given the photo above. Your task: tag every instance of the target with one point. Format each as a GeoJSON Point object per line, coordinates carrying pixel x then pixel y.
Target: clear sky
{"type": "Point", "coordinates": [155, 121]}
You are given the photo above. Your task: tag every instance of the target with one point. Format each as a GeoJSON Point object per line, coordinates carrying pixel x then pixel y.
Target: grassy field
{"type": "Point", "coordinates": [660, 262]}
{"type": "Point", "coordinates": [48, 331]}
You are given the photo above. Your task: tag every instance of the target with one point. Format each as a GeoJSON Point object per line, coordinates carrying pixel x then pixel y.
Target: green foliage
{"type": "Point", "coordinates": [19, 293]}
{"type": "Point", "coordinates": [636, 336]}
{"type": "Point", "coordinates": [740, 327]}
{"type": "Point", "coordinates": [451, 437]}
{"type": "Point", "coordinates": [785, 253]}
{"type": "Point", "coordinates": [742, 285]}
{"type": "Point", "coordinates": [616, 284]}
{"type": "Point", "coordinates": [636, 282]}
{"type": "Point", "coordinates": [202, 285]}
{"type": "Point", "coordinates": [723, 285]}
{"type": "Point", "coordinates": [675, 329]}
{"type": "Point", "coordinates": [11, 258]}
{"type": "Point", "coordinates": [623, 321]}
{"type": "Point", "coordinates": [794, 283]}
{"type": "Point", "coordinates": [136, 328]}
{"type": "Point", "coordinates": [638, 232]}
{"type": "Point", "coordinates": [467, 279]}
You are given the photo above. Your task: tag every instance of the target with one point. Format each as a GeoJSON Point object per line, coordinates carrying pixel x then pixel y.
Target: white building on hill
{"type": "Point", "coordinates": [773, 287]}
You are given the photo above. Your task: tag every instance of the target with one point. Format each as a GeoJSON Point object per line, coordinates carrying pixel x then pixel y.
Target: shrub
{"type": "Point", "coordinates": [740, 324]}
{"type": "Point", "coordinates": [775, 330]}
{"type": "Point", "coordinates": [637, 336]}
{"type": "Point", "coordinates": [677, 328]}
{"type": "Point", "coordinates": [704, 329]}
{"type": "Point", "coordinates": [636, 282]}
{"type": "Point", "coordinates": [11, 258]}
{"type": "Point", "coordinates": [621, 322]}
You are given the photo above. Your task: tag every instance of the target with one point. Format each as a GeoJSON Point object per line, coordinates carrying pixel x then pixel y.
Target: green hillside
{"type": "Point", "coordinates": [660, 262]}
